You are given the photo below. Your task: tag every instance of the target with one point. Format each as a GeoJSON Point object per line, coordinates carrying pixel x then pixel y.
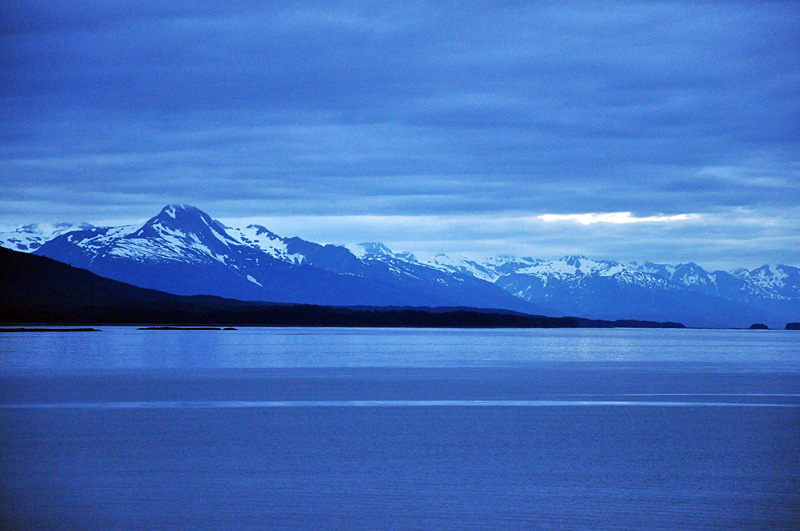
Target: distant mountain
{"type": "Point", "coordinates": [769, 292]}
{"type": "Point", "coordinates": [576, 285]}
{"type": "Point", "coordinates": [599, 289]}
{"type": "Point", "coordinates": [183, 250]}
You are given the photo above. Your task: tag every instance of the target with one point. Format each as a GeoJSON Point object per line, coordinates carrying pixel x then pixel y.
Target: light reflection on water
{"type": "Point", "coordinates": [130, 348]}
{"type": "Point", "coordinates": [258, 404]}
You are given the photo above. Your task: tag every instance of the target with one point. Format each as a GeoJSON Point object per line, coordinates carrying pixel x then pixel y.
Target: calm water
{"type": "Point", "coordinates": [400, 429]}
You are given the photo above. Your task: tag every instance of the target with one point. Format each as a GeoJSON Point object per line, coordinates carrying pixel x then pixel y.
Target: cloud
{"type": "Point", "coordinates": [617, 218]}
{"type": "Point", "coordinates": [738, 238]}
{"type": "Point", "coordinates": [506, 111]}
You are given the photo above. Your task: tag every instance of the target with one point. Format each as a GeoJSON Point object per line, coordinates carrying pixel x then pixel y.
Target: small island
{"type": "Point", "coordinates": [183, 328]}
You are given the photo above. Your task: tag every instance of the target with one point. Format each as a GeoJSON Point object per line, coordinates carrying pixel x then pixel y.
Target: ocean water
{"type": "Point", "coordinates": [292, 428]}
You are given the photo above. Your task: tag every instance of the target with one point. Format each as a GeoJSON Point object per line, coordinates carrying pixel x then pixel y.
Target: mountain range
{"type": "Point", "coordinates": [183, 250]}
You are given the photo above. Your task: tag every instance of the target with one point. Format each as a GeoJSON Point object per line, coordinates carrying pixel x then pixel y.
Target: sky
{"type": "Point", "coordinates": [662, 131]}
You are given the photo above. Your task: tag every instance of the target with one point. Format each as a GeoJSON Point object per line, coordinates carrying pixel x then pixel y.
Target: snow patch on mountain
{"type": "Point", "coordinates": [768, 276]}
{"type": "Point", "coordinates": [780, 282]}
{"type": "Point", "coordinates": [573, 269]}
{"type": "Point", "coordinates": [258, 237]}
{"type": "Point", "coordinates": [488, 268]}
{"type": "Point", "coordinates": [400, 264]}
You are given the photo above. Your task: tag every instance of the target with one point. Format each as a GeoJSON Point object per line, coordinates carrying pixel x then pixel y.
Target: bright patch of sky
{"type": "Point", "coordinates": [615, 217]}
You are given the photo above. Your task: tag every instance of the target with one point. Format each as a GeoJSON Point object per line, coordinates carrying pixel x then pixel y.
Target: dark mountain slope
{"type": "Point", "coordinates": [35, 289]}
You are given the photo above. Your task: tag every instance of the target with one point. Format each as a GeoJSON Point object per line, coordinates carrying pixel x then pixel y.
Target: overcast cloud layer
{"type": "Point", "coordinates": [463, 127]}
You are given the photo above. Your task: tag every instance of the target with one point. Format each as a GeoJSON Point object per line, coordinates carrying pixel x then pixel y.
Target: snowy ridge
{"type": "Point", "coordinates": [580, 286]}
{"type": "Point", "coordinates": [489, 268]}
{"type": "Point", "coordinates": [99, 240]}
{"type": "Point", "coordinates": [567, 268]}
{"type": "Point", "coordinates": [767, 276]}
{"type": "Point", "coordinates": [776, 281]}
{"type": "Point", "coordinates": [577, 267]}
{"type": "Point", "coordinates": [766, 282]}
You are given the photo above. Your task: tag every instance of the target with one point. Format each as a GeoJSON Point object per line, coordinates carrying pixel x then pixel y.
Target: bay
{"type": "Point", "coordinates": [291, 428]}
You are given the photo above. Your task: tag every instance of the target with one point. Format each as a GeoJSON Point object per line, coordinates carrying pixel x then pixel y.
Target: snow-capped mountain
{"type": "Point", "coordinates": [600, 289]}
{"type": "Point", "coordinates": [577, 285]}
{"type": "Point", "coordinates": [766, 283]}
{"type": "Point", "coordinates": [183, 250]}
{"type": "Point", "coordinates": [778, 282]}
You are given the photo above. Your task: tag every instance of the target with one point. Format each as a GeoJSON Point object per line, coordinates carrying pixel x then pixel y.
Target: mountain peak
{"type": "Point", "coordinates": [370, 249]}
{"type": "Point", "coordinates": [261, 230]}
{"type": "Point", "coordinates": [574, 259]}
{"type": "Point", "coordinates": [184, 220]}
{"type": "Point", "coordinates": [175, 210]}
{"type": "Point", "coordinates": [181, 214]}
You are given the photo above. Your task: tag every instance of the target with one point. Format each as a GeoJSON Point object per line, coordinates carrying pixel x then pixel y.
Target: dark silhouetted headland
{"type": "Point", "coordinates": [40, 290]}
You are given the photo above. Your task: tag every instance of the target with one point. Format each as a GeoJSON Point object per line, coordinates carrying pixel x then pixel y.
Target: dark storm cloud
{"type": "Point", "coordinates": [419, 108]}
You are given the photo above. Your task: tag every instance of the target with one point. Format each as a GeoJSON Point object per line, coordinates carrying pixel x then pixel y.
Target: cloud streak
{"type": "Point", "coordinates": [617, 218]}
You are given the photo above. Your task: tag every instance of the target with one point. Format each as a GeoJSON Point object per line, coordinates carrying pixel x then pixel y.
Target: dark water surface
{"type": "Point", "coordinates": [400, 429]}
